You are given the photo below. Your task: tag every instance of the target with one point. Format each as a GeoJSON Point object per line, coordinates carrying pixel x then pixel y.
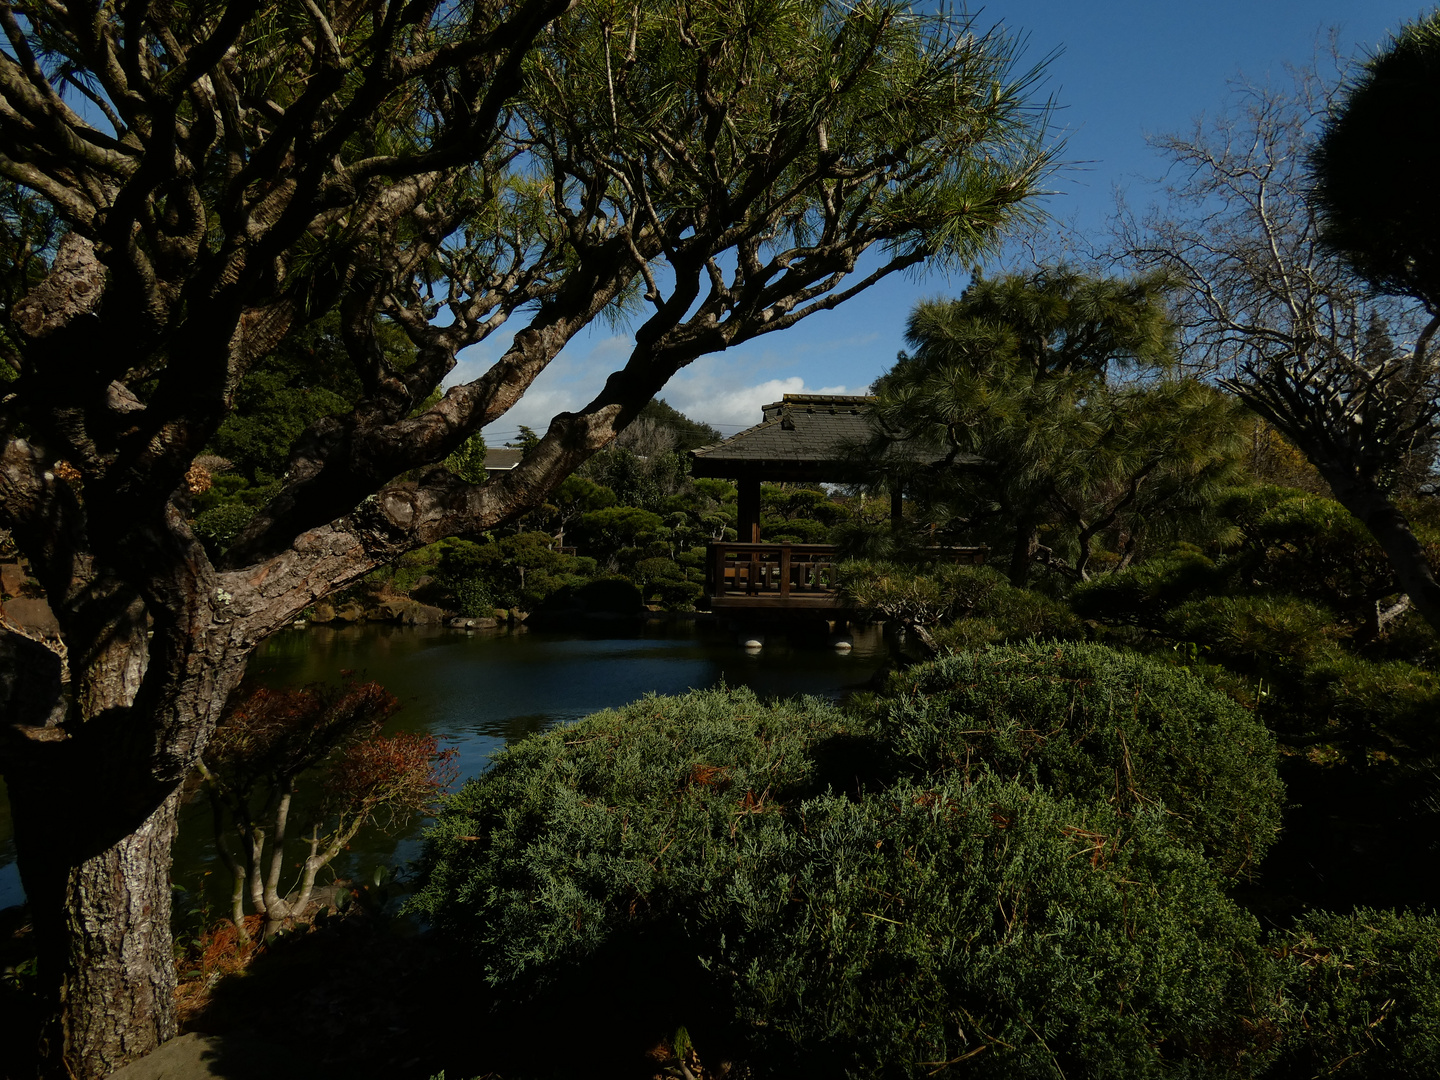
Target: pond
{"type": "Point", "coordinates": [480, 690]}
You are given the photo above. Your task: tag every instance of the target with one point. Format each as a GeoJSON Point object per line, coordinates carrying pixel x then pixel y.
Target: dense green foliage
{"type": "Point", "coordinates": [1024, 858]}
{"type": "Point", "coordinates": [994, 924]}
{"type": "Point", "coordinates": [640, 519]}
{"type": "Point", "coordinates": [309, 377]}
{"type": "Point", "coordinates": [1383, 220]}
{"type": "Point", "coordinates": [950, 606]}
{"type": "Point", "coordinates": [538, 862]}
{"type": "Point", "coordinates": [901, 887]}
{"type": "Point", "coordinates": [1079, 469]}
{"type": "Point", "coordinates": [1285, 611]}
{"type": "Point", "coordinates": [1362, 997]}
{"type": "Point", "coordinates": [859, 900]}
{"type": "Point", "coordinates": [516, 571]}
{"type": "Point", "coordinates": [236, 172]}
{"type": "Point", "coordinates": [1102, 726]}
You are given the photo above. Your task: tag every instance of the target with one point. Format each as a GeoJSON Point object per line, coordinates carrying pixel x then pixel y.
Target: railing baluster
{"type": "Point", "coordinates": [781, 574]}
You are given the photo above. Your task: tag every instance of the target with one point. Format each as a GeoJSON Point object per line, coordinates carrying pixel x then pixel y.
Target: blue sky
{"type": "Point", "coordinates": [1126, 68]}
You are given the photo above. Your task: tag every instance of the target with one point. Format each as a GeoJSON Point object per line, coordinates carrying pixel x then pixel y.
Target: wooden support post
{"type": "Point", "coordinates": [784, 571]}
{"type": "Point", "coordinates": [715, 570]}
{"type": "Point", "coordinates": [748, 510]}
{"type": "Point", "coordinates": [897, 503]}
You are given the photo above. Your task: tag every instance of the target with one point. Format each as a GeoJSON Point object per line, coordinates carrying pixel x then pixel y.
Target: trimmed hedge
{"type": "Point", "coordinates": [1086, 721]}
{"type": "Point", "coordinates": [993, 927]}
{"type": "Point", "coordinates": [1362, 997]}
{"type": "Point", "coordinates": [931, 919]}
{"type": "Point", "coordinates": [629, 815]}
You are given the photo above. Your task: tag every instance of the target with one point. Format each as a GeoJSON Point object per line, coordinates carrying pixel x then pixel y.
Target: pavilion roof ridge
{"type": "Point", "coordinates": [824, 399]}
{"type": "Point", "coordinates": [769, 421]}
{"type": "Point", "coordinates": [802, 437]}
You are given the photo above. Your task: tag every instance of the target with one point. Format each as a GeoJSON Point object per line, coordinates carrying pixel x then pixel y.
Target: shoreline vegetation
{"type": "Point", "coordinates": [1254, 592]}
{"type": "Point", "coordinates": [662, 882]}
{"type": "Point", "coordinates": [1036, 718]}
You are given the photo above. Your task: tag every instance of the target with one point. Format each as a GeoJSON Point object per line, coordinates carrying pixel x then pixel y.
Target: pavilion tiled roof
{"type": "Point", "coordinates": [802, 437]}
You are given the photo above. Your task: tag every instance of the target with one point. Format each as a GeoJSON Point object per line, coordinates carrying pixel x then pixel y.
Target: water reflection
{"type": "Point", "coordinates": [478, 691]}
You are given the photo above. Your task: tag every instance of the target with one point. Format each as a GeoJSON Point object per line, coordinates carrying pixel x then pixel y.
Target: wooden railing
{"type": "Point", "coordinates": [788, 575]}
{"type": "Point", "coordinates": [772, 574]}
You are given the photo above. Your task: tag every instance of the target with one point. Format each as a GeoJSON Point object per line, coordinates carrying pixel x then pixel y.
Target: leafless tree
{"type": "Point", "coordinates": [1346, 374]}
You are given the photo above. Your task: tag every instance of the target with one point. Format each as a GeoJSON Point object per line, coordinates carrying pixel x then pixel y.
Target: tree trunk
{"type": "Point", "coordinates": [94, 799]}
{"type": "Point", "coordinates": [1023, 553]}
{"type": "Point", "coordinates": [99, 895]}
{"type": "Point", "coordinates": [1391, 530]}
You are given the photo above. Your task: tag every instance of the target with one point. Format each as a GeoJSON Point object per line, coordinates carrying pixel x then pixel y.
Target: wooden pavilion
{"type": "Point", "coordinates": [803, 438]}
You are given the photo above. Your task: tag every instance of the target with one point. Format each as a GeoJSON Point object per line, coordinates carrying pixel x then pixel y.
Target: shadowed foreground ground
{"type": "Point", "coordinates": [354, 998]}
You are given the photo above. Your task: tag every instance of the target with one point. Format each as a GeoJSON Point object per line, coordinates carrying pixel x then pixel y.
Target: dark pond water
{"type": "Point", "coordinates": [480, 691]}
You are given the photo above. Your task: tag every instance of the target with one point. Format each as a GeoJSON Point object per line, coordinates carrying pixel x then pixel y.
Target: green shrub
{"type": "Point", "coordinates": [627, 815]}
{"type": "Point", "coordinates": [1362, 997]}
{"type": "Point", "coordinates": [794, 531]}
{"type": "Point", "coordinates": [1312, 547]}
{"type": "Point", "coordinates": [1097, 724]}
{"type": "Point", "coordinates": [409, 571]}
{"type": "Point", "coordinates": [1005, 613]}
{"type": "Point", "coordinates": [1390, 706]}
{"type": "Point", "coordinates": [679, 595]}
{"type": "Point", "coordinates": [921, 922]}
{"type": "Point", "coordinates": [472, 598]}
{"type": "Point", "coordinates": [957, 606]}
{"type": "Point", "coordinates": [651, 574]}
{"type": "Point", "coordinates": [1141, 595]}
{"type": "Point", "coordinates": [1263, 635]}
{"type": "Point", "coordinates": [522, 570]}
{"type": "Point", "coordinates": [1312, 685]}
{"type": "Point", "coordinates": [990, 924]}
{"type": "Point", "coordinates": [218, 527]}
{"type": "Point", "coordinates": [604, 533]}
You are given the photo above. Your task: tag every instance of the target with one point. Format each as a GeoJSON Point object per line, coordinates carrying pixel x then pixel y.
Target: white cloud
{"type": "Point", "coordinates": [729, 403]}
{"type": "Point", "coordinates": [570, 381]}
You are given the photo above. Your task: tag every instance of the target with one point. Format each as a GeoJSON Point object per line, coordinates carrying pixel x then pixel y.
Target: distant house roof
{"type": "Point", "coordinates": [803, 437]}
{"type": "Point", "coordinates": [502, 460]}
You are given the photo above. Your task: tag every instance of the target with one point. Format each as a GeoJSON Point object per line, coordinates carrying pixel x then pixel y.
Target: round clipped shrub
{"type": "Point", "coordinates": [1097, 724]}
{"type": "Point", "coordinates": [916, 922]}
{"type": "Point", "coordinates": [1362, 997]}
{"type": "Point", "coordinates": [622, 819]}
{"type": "Point", "coordinates": [992, 926]}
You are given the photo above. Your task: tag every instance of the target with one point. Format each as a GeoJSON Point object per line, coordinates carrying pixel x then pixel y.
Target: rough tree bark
{"type": "Point", "coordinates": [102, 913]}
{"type": "Point", "coordinates": [442, 169]}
